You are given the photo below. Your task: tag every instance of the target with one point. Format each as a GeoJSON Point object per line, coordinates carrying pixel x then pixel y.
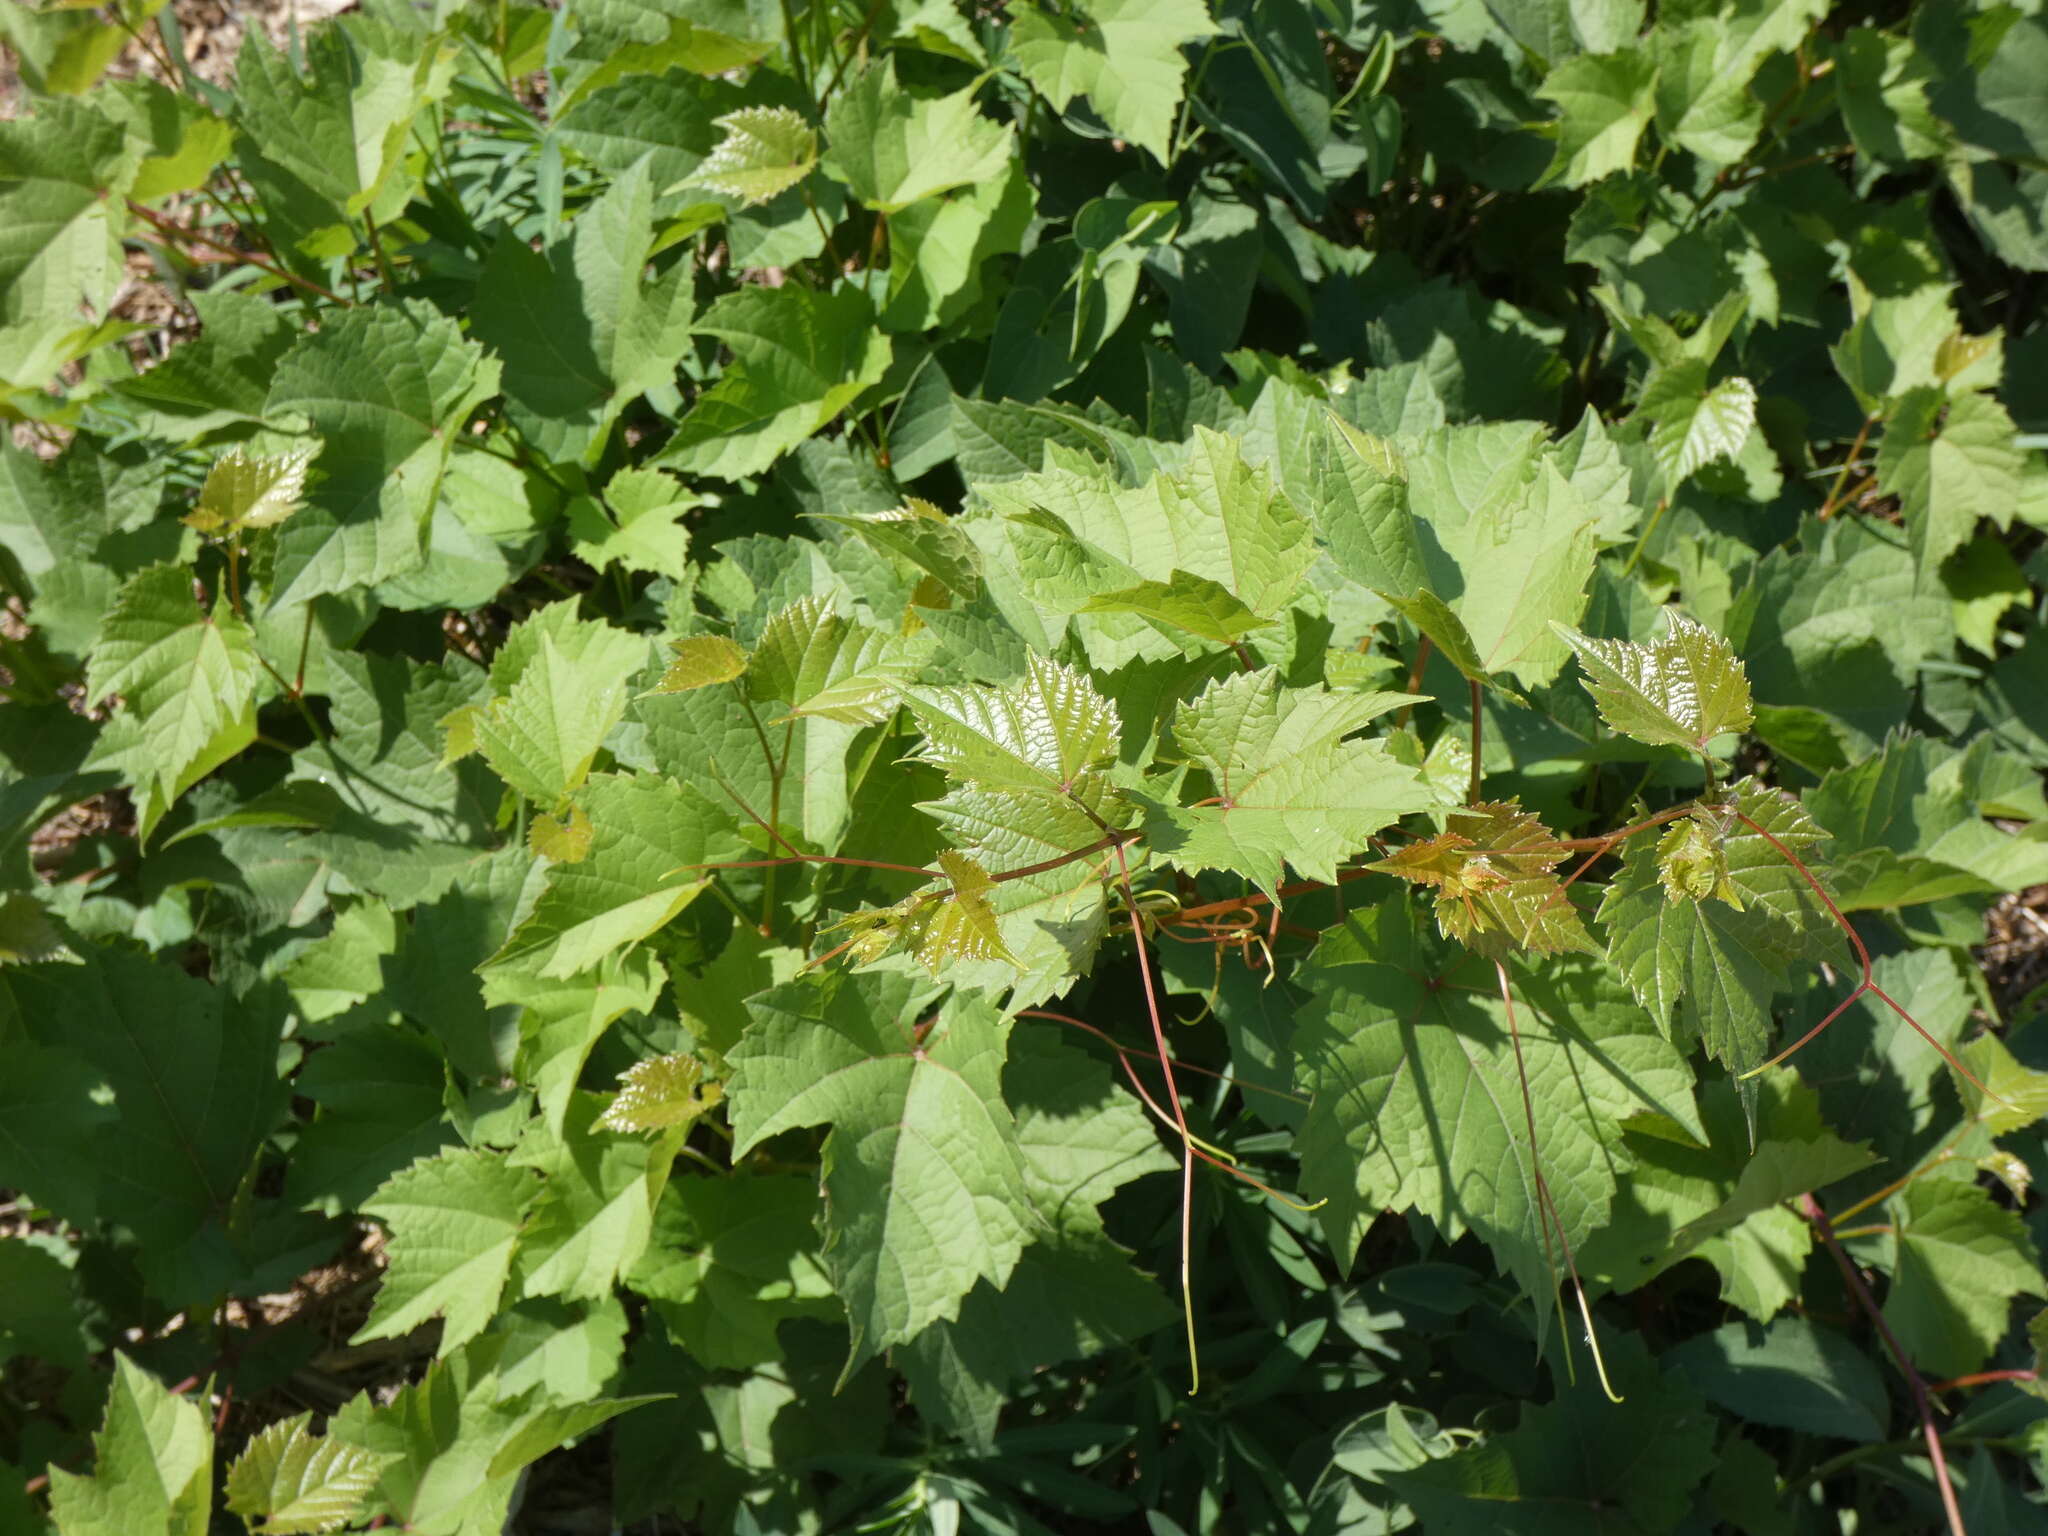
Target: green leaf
{"type": "Point", "coordinates": [799, 358]}
{"type": "Point", "coordinates": [1704, 962]}
{"type": "Point", "coordinates": [1288, 785]}
{"type": "Point", "coordinates": [1681, 691]}
{"type": "Point", "coordinates": [1950, 462]}
{"type": "Point", "coordinates": [1959, 1260]}
{"type": "Point", "coordinates": [921, 534]}
{"type": "Point", "coordinates": [1418, 1098]}
{"type": "Point", "coordinates": [1793, 1374]}
{"type": "Point", "coordinates": [582, 328]}
{"type": "Point", "coordinates": [1911, 824]}
{"type": "Point", "coordinates": [652, 838]}
{"type": "Point", "coordinates": [642, 531]}
{"type": "Point", "coordinates": [184, 141]}
{"type": "Point", "coordinates": [765, 152]}
{"type": "Point", "coordinates": [893, 149]}
{"type": "Point", "coordinates": [595, 1213]}
{"type": "Point", "coordinates": [154, 1470]}
{"type": "Point", "coordinates": [924, 1179]}
{"type": "Point", "coordinates": [63, 248]}
{"type": "Point", "coordinates": [1704, 69]}
{"type": "Point", "coordinates": [820, 664]}
{"type": "Point", "coordinates": [563, 1019]}
{"type": "Point", "coordinates": [1074, 1293]}
{"type": "Point", "coordinates": [290, 1482]}
{"type": "Point", "coordinates": [1605, 102]}
{"type": "Point", "coordinates": [733, 1257]}
{"type": "Point", "coordinates": [220, 376]}
{"type": "Point", "coordinates": [193, 1079]}
{"type": "Point", "coordinates": [454, 1221]}
{"type": "Point", "coordinates": [1503, 526]}
{"type": "Point", "coordinates": [1630, 1466]}
{"type": "Point", "coordinates": [1190, 604]}
{"type": "Point", "coordinates": [1072, 536]}
{"type": "Point", "coordinates": [341, 130]}
{"type": "Point", "coordinates": [185, 678]}
{"type": "Point", "coordinates": [1693, 423]}
{"type": "Point", "coordinates": [387, 388]}
{"type": "Point", "coordinates": [1985, 583]}
{"type": "Point", "coordinates": [557, 699]}
{"type": "Point", "coordinates": [1123, 55]}
{"type": "Point", "coordinates": [42, 1316]}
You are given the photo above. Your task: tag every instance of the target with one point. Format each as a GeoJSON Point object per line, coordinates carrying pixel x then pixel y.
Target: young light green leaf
{"type": "Point", "coordinates": [454, 1222]}
{"type": "Point", "coordinates": [956, 924]}
{"type": "Point", "coordinates": [1680, 691]}
{"type": "Point", "coordinates": [924, 1180]}
{"type": "Point", "coordinates": [290, 1482]}
{"type": "Point", "coordinates": [700, 662]}
{"type": "Point", "coordinates": [1037, 737]}
{"type": "Point", "coordinates": [660, 1093]}
{"type": "Point", "coordinates": [1289, 788]}
{"type": "Point", "coordinates": [245, 490]}
{"type": "Point", "coordinates": [1123, 55]}
{"type": "Point", "coordinates": [765, 152]}
{"type": "Point", "coordinates": [154, 1469]}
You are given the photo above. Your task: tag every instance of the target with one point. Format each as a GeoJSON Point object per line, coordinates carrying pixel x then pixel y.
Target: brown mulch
{"type": "Point", "coordinates": [2014, 954]}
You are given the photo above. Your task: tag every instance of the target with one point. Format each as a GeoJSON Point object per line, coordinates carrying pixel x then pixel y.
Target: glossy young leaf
{"type": "Point", "coordinates": [1681, 691]}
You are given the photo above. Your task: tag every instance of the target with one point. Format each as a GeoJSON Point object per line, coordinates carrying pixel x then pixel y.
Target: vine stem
{"type": "Point", "coordinates": [1834, 500]}
{"type": "Point", "coordinates": [1180, 1118]}
{"type": "Point", "coordinates": [1817, 1218]}
{"type": "Point", "coordinates": [178, 232]}
{"type": "Point", "coordinates": [1472, 794]}
{"type": "Point", "coordinates": [1866, 985]}
{"type": "Point", "coordinates": [1547, 1215]}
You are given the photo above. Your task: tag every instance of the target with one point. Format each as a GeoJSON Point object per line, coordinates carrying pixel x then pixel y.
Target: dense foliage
{"type": "Point", "coordinates": [780, 753]}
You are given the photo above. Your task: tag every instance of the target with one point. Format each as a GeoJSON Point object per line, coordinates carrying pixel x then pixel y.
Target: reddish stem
{"type": "Point", "coordinates": [1180, 1120]}
{"type": "Point", "coordinates": [1863, 960]}
{"type": "Point", "coordinates": [1817, 1218]}
{"type": "Point", "coordinates": [1983, 1379]}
